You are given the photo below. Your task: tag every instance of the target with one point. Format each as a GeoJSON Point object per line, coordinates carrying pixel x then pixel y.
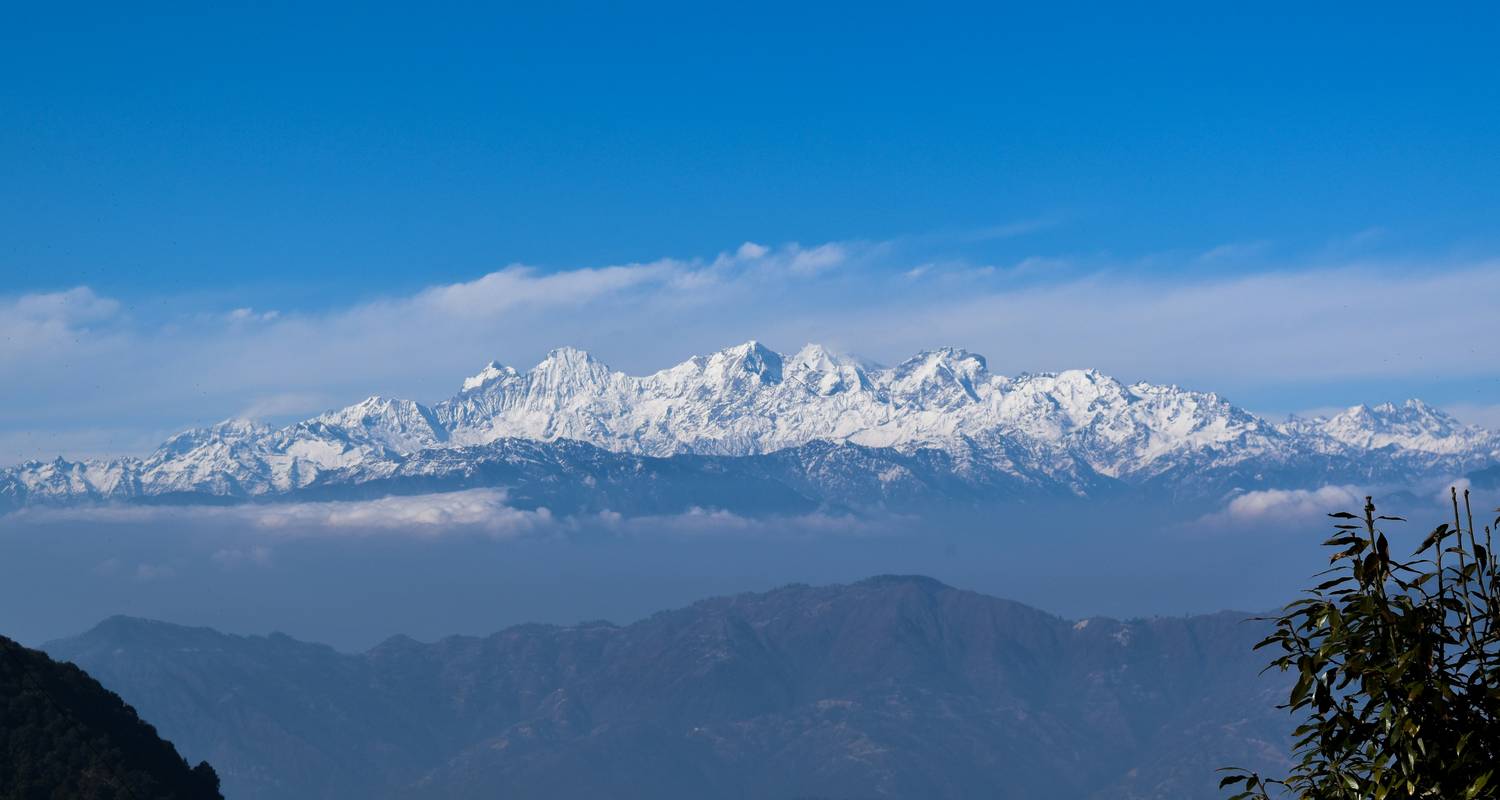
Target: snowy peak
{"type": "Point", "coordinates": [568, 359]}
{"type": "Point", "coordinates": [493, 371]}
{"type": "Point", "coordinates": [222, 434]}
{"type": "Point", "coordinates": [1079, 395]}
{"type": "Point", "coordinates": [749, 362]}
{"type": "Point", "coordinates": [568, 370]}
{"type": "Point", "coordinates": [403, 425]}
{"type": "Point", "coordinates": [1412, 425]}
{"type": "Point", "coordinates": [945, 378]}
{"type": "Point", "coordinates": [1143, 429]}
{"type": "Point", "coordinates": [825, 373]}
{"type": "Point", "coordinates": [1065, 431]}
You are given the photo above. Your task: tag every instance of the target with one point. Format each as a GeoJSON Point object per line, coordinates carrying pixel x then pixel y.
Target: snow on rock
{"type": "Point", "coordinates": [1413, 425]}
{"type": "Point", "coordinates": [1067, 429]}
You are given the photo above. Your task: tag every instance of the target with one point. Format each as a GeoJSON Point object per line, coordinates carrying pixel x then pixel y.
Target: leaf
{"type": "Point", "coordinates": [1433, 538]}
{"type": "Point", "coordinates": [1343, 515]}
{"type": "Point", "coordinates": [1299, 692]}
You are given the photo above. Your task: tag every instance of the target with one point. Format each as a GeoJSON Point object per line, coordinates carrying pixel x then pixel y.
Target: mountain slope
{"type": "Point", "coordinates": [939, 419]}
{"type": "Point", "coordinates": [64, 735]}
{"type": "Point", "coordinates": [892, 687]}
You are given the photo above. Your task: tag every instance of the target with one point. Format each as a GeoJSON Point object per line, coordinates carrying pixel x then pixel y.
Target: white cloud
{"type": "Point", "coordinates": [74, 306]}
{"type": "Point", "coordinates": [476, 511]}
{"type": "Point", "coordinates": [250, 530]}
{"type": "Point", "coordinates": [1444, 495]}
{"type": "Point", "coordinates": [818, 259]}
{"type": "Point", "coordinates": [1290, 505]}
{"type": "Point", "coordinates": [251, 315]}
{"type": "Point", "coordinates": [72, 362]}
{"type": "Point", "coordinates": [750, 251]}
{"type": "Point", "coordinates": [37, 325]}
{"type": "Point", "coordinates": [520, 286]}
{"type": "Point", "coordinates": [1319, 326]}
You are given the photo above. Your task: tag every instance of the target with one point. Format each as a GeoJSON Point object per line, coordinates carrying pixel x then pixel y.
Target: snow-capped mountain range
{"type": "Point", "coordinates": [758, 430]}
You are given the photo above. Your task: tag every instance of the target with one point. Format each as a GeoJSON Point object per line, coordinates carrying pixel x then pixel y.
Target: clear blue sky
{"type": "Point", "coordinates": [276, 148]}
{"type": "Point", "coordinates": [184, 162]}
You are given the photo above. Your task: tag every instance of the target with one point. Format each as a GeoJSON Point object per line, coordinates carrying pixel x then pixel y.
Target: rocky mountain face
{"type": "Point", "coordinates": [891, 687]}
{"type": "Point", "coordinates": [817, 428]}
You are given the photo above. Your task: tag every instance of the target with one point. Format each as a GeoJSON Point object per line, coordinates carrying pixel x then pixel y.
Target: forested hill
{"type": "Point", "coordinates": [64, 735]}
{"type": "Point", "coordinates": [892, 687]}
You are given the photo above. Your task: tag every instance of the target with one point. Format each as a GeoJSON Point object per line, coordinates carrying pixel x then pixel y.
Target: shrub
{"type": "Point", "coordinates": [1398, 668]}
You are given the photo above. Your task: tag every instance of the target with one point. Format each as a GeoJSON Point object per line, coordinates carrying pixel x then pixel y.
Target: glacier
{"type": "Point", "coordinates": [754, 430]}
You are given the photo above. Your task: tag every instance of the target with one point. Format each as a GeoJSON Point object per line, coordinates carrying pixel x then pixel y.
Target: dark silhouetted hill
{"type": "Point", "coordinates": [62, 735]}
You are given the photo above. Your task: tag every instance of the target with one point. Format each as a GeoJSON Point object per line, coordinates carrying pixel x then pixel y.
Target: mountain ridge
{"type": "Point", "coordinates": [894, 686]}
{"type": "Point", "coordinates": [1071, 432]}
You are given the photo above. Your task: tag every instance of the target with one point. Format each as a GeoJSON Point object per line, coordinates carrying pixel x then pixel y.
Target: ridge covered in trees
{"type": "Point", "coordinates": [62, 735]}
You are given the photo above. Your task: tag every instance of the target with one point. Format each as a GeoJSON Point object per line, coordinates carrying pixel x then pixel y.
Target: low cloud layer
{"type": "Point", "coordinates": [84, 374]}
{"type": "Point", "coordinates": [471, 512]}
{"type": "Point", "coordinates": [475, 511]}
{"type": "Point", "coordinates": [1290, 505]}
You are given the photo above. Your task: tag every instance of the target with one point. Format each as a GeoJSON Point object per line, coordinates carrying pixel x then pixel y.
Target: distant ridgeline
{"type": "Point", "coordinates": [754, 431]}
{"type": "Point", "coordinates": [62, 735]}
{"type": "Point", "coordinates": [896, 687]}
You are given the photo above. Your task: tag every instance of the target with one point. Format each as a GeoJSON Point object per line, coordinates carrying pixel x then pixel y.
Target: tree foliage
{"type": "Point", "coordinates": [1398, 668]}
{"type": "Point", "coordinates": [62, 735]}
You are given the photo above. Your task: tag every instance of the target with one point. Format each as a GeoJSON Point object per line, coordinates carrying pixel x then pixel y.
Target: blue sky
{"type": "Point", "coordinates": [190, 196]}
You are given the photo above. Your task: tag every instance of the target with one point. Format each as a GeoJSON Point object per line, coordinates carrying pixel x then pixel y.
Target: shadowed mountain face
{"type": "Point", "coordinates": [64, 735]}
{"type": "Point", "coordinates": [892, 687]}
